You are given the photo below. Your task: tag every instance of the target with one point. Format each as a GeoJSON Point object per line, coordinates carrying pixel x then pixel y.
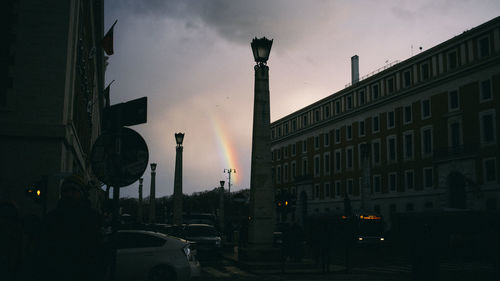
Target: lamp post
{"type": "Point", "coordinates": [229, 171]}
{"type": "Point", "coordinates": [152, 196]}
{"type": "Point", "coordinates": [221, 207]}
{"type": "Point", "coordinates": [262, 213]}
{"type": "Point", "coordinates": [139, 209]}
{"type": "Point", "coordinates": [177, 219]}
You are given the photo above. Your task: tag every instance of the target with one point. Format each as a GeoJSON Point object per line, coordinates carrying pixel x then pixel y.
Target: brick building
{"type": "Point", "coordinates": [418, 135]}
{"type": "Point", "coordinates": [52, 94]}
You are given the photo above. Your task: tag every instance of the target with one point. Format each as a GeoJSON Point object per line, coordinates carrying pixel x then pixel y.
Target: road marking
{"type": "Point", "coordinates": [214, 272]}
{"type": "Point", "coordinates": [237, 271]}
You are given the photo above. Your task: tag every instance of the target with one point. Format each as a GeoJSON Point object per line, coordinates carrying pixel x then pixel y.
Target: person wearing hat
{"type": "Point", "coordinates": [70, 238]}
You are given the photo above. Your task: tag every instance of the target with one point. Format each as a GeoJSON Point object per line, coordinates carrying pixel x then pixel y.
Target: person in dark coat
{"type": "Point", "coordinates": [70, 241]}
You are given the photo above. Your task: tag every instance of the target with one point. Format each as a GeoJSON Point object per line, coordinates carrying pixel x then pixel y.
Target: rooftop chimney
{"type": "Point", "coordinates": [355, 69]}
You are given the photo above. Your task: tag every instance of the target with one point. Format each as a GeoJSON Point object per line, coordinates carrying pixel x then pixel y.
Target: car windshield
{"type": "Point", "coordinates": [192, 231]}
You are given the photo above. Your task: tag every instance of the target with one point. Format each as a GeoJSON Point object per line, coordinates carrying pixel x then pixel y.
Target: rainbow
{"type": "Point", "coordinates": [226, 151]}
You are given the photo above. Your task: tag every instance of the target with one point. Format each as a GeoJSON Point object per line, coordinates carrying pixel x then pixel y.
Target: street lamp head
{"type": "Point", "coordinates": [222, 183]}
{"type": "Point", "coordinates": [261, 49]}
{"type": "Point", "coordinates": [179, 137]}
{"type": "Point", "coordinates": [153, 167]}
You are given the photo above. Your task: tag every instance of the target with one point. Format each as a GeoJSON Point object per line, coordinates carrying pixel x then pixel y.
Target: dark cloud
{"type": "Point", "coordinates": [240, 20]}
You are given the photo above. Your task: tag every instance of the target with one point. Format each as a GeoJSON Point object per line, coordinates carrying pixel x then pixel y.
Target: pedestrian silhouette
{"type": "Point", "coordinates": [70, 241]}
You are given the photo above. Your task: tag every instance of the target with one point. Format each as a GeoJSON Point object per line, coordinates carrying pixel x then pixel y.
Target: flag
{"type": "Point", "coordinates": [107, 41]}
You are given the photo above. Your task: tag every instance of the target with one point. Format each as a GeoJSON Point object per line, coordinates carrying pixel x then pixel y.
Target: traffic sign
{"type": "Point", "coordinates": [119, 158]}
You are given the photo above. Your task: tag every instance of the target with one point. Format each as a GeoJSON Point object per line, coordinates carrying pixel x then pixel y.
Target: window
{"type": "Point", "coordinates": [376, 151]}
{"type": "Point", "coordinates": [407, 114]}
{"type": "Point", "coordinates": [375, 124]}
{"type": "Point", "coordinates": [304, 167]}
{"type": "Point", "coordinates": [407, 79]}
{"type": "Point", "coordinates": [279, 131]}
{"type": "Point", "coordinates": [361, 128]}
{"type": "Point", "coordinates": [349, 186]}
{"type": "Point", "coordinates": [316, 190]}
{"type": "Point", "coordinates": [285, 172]}
{"type": "Point", "coordinates": [408, 145]}
{"type": "Point", "coordinates": [391, 148]}
{"type": "Point", "coordinates": [452, 60]}
{"type": "Point", "coordinates": [485, 91]}
{"type": "Point", "coordinates": [428, 179]}
{"type": "Point", "coordinates": [286, 128]}
{"type": "Point", "coordinates": [294, 170]}
{"type": "Point", "coordinates": [304, 120]}
{"type": "Point", "coordinates": [490, 170]}
{"type": "Point", "coordinates": [273, 134]}
{"type": "Point", "coordinates": [338, 161]}
{"type": "Point", "coordinates": [392, 182]}
{"type": "Point", "coordinates": [376, 183]}
{"type": "Point", "coordinates": [426, 109]}
{"type": "Point", "coordinates": [409, 207]}
{"type": "Point", "coordinates": [375, 91]}
{"type": "Point", "coordinates": [326, 139]}
{"type": "Point", "coordinates": [424, 71]}
{"type": "Point", "coordinates": [294, 125]}
{"type": "Point", "coordinates": [316, 142]}
{"type": "Point", "coordinates": [409, 182]}
{"type": "Point", "coordinates": [278, 153]}
{"type": "Point", "coordinates": [349, 102]}
{"type": "Point", "coordinates": [337, 136]}
{"type": "Point", "coordinates": [337, 188]}
{"type": "Point", "coordinates": [278, 174]}
{"type": "Point", "coordinates": [362, 153]}
{"type": "Point", "coordinates": [361, 97]}
{"type": "Point", "coordinates": [326, 110]}
{"type": "Point", "coordinates": [349, 158]}
{"type": "Point", "coordinates": [327, 163]}
{"type": "Point", "coordinates": [488, 128]}
{"type": "Point", "coordinates": [316, 115]}
{"type": "Point", "coordinates": [391, 120]}
{"type": "Point", "coordinates": [294, 149]}
{"type": "Point", "coordinates": [454, 134]}
{"type": "Point", "coordinates": [285, 152]}
{"type": "Point", "coordinates": [453, 100]}
{"type": "Point", "coordinates": [426, 141]}
{"type": "Point", "coordinates": [349, 132]}
{"type": "Point", "coordinates": [327, 189]}
{"type": "Point", "coordinates": [390, 85]}
{"type": "Point", "coordinates": [337, 107]}
{"type": "Point", "coordinates": [304, 146]}
{"type": "Point", "coordinates": [316, 166]}
{"type": "Point", "coordinates": [484, 47]}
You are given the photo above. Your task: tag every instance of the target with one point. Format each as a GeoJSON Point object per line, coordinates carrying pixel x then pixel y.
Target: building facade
{"type": "Point", "coordinates": [419, 135]}
{"type": "Point", "coordinates": [52, 96]}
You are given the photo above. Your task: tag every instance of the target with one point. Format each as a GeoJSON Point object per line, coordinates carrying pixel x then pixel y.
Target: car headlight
{"type": "Point", "coordinates": [360, 238]}
{"type": "Point", "coordinates": [382, 239]}
{"type": "Point", "coordinates": [187, 251]}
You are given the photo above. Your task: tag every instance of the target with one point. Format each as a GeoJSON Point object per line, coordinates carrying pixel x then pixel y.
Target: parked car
{"type": "Point", "coordinates": [146, 255]}
{"type": "Point", "coordinates": [208, 239]}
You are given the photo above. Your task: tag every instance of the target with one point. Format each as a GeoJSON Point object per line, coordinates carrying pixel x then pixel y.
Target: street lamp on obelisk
{"type": "Point", "coordinates": [262, 220]}
{"type": "Point", "coordinates": [179, 137]}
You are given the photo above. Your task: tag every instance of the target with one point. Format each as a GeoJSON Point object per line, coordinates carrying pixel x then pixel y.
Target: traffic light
{"type": "Point", "coordinates": [37, 191]}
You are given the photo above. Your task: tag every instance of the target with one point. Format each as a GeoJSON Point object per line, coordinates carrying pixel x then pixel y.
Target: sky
{"type": "Point", "coordinates": [193, 60]}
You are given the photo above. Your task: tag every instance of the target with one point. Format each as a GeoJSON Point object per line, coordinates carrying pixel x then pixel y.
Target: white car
{"type": "Point", "coordinates": [144, 255]}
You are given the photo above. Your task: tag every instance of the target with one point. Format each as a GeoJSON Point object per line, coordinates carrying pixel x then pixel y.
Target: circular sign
{"type": "Point", "coordinates": [119, 158]}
